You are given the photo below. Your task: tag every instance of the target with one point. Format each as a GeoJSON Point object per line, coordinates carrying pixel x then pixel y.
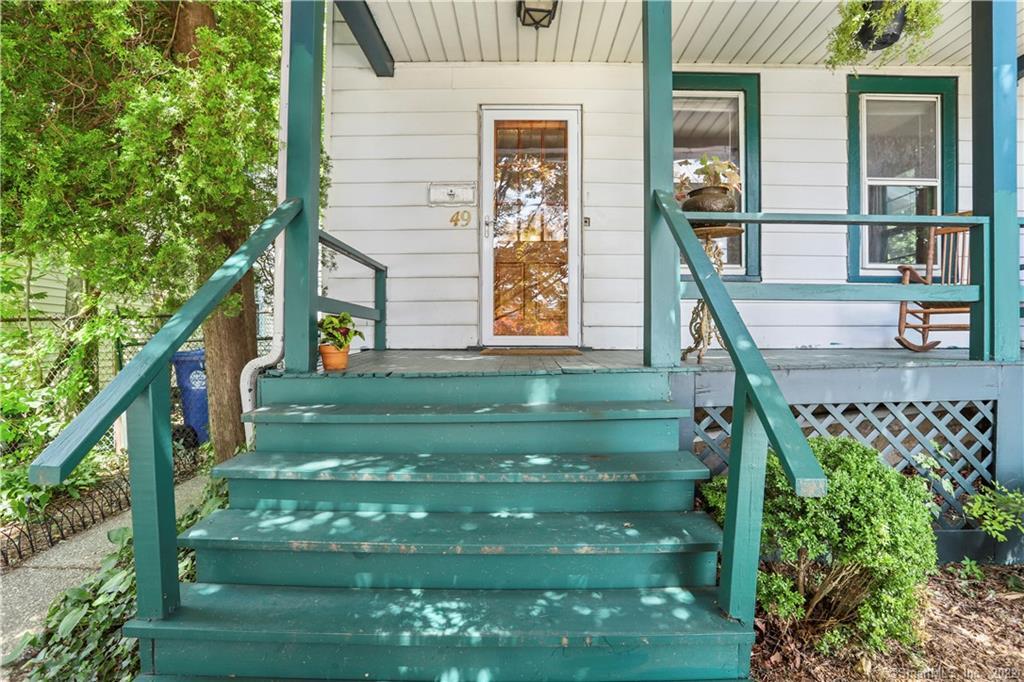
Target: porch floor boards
{"type": "Point", "coordinates": [416, 363]}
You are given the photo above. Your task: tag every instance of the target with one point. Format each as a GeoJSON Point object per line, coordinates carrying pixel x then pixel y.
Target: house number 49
{"type": "Point", "coordinates": [461, 219]}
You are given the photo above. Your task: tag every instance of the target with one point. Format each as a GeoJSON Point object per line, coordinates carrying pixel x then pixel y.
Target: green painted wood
{"type": "Point", "coordinates": [835, 219]}
{"type": "Point", "coordinates": [585, 437]}
{"type": "Point", "coordinates": [756, 291]}
{"type": "Point", "coordinates": [450, 468]}
{"type": "Point", "coordinates": [408, 383]}
{"type": "Point", "coordinates": [392, 414]}
{"type": "Point", "coordinates": [456, 534]}
{"type": "Point", "coordinates": [301, 255]}
{"type": "Point", "coordinates": [335, 307]}
{"type": "Point", "coordinates": [349, 251]}
{"type": "Point", "coordinates": [72, 444]}
{"type": "Point", "coordinates": [693, 660]}
{"type": "Point", "coordinates": [802, 469]}
{"type": "Point", "coordinates": [447, 550]}
{"type": "Point", "coordinates": [858, 84]}
{"type": "Point", "coordinates": [190, 678]}
{"type": "Point", "coordinates": [662, 325]}
{"type": "Point", "coordinates": [741, 546]}
{"type": "Point", "coordinates": [219, 613]}
{"type": "Point", "coordinates": [151, 472]}
{"type": "Point", "coordinates": [645, 495]}
{"type": "Point", "coordinates": [750, 85]}
{"type": "Point", "coordinates": [380, 302]}
{"type": "Point", "coordinates": [462, 571]}
{"type": "Point", "coordinates": [980, 334]}
{"type": "Point", "coordinates": [994, 164]}
{"type": "Point", "coordinates": [364, 29]}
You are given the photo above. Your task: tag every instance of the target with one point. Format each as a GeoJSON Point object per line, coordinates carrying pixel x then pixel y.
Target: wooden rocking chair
{"type": "Point", "coordinates": [947, 261]}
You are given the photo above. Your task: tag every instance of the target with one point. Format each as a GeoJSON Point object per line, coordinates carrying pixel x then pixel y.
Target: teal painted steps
{"type": "Point", "coordinates": [497, 635]}
{"type": "Point", "coordinates": [457, 550]}
{"type": "Point", "coordinates": [623, 481]}
{"type": "Point", "coordinates": [481, 428]}
{"type": "Point", "coordinates": [345, 389]}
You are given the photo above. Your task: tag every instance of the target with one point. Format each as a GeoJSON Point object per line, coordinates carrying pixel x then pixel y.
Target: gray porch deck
{"type": "Point", "coordinates": [411, 363]}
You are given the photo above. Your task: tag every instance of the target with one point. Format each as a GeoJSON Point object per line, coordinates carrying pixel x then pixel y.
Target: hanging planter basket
{"type": "Point", "coordinates": [871, 39]}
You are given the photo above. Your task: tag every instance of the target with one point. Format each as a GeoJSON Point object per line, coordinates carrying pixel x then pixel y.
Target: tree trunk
{"type": "Point", "coordinates": [230, 341]}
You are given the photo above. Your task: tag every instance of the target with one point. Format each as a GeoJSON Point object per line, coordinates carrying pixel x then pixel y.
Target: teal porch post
{"type": "Point", "coordinates": [301, 255]}
{"type": "Point", "coordinates": [662, 342]}
{"type": "Point", "coordinates": [151, 474]}
{"type": "Point", "coordinates": [994, 120]}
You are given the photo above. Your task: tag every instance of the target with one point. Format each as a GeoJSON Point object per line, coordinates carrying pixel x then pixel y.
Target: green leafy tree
{"type": "Point", "coordinates": [139, 149]}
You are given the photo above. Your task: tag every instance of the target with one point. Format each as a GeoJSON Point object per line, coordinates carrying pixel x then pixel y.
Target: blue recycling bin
{"type": "Point", "coordinates": [190, 371]}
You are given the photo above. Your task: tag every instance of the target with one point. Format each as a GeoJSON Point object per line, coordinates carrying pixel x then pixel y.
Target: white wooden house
{"type": "Point", "coordinates": [460, 66]}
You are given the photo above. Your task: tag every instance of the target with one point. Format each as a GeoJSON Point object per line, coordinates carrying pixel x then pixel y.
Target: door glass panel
{"type": "Point", "coordinates": [709, 124]}
{"type": "Point", "coordinates": [531, 228]}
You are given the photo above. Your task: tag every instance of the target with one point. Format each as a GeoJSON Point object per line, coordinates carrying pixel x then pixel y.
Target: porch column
{"type": "Point", "coordinates": [301, 255]}
{"type": "Point", "coordinates": [994, 121]}
{"type": "Point", "coordinates": [662, 345]}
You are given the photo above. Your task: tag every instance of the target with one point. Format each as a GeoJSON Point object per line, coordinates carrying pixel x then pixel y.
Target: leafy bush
{"type": "Point", "coordinates": [848, 567]}
{"type": "Point", "coordinates": [82, 638]}
{"type": "Point", "coordinates": [997, 510]}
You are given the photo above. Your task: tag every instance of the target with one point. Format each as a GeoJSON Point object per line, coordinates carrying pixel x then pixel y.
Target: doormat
{"type": "Point", "coordinates": [531, 351]}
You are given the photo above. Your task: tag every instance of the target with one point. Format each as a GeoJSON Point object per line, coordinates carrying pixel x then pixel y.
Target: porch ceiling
{"type": "Point", "coordinates": [705, 32]}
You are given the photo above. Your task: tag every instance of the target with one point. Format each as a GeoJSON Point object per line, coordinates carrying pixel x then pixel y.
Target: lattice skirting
{"type": "Point", "coordinates": [957, 435]}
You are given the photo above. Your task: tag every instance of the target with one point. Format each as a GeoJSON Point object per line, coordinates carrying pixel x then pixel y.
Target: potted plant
{"type": "Point", "coordinates": [877, 26]}
{"type": "Point", "coordinates": [337, 332]}
{"type": "Point", "coordinates": [719, 184]}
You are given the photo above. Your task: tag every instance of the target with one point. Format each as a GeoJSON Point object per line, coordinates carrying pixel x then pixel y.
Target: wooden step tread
{"type": "Point", "coordinates": [188, 678]}
{"type": "Point", "coordinates": [470, 413]}
{"type": "Point", "coordinates": [408, 618]}
{"type": "Point", "coordinates": [454, 468]}
{"type": "Point", "coordinates": [499, 533]}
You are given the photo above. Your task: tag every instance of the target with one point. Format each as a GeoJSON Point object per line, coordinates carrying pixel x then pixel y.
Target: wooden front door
{"type": "Point", "coordinates": [530, 232]}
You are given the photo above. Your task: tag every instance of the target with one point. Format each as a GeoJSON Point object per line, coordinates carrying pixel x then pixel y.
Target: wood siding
{"type": "Point", "coordinates": [390, 137]}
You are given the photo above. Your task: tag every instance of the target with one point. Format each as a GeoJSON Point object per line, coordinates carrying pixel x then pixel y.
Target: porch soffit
{"type": "Point", "coordinates": [761, 32]}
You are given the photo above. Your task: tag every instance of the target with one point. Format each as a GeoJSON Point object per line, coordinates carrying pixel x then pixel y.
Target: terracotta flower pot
{"type": "Point", "coordinates": [711, 199]}
{"type": "Point", "coordinates": [334, 360]}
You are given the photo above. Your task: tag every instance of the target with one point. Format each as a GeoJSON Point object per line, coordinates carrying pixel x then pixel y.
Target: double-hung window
{"type": "Point", "coordinates": [717, 115]}
{"type": "Point", "coordinates": [902, 162]}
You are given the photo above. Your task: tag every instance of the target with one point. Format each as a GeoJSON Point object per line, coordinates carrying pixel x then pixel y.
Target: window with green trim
{"type": "Point", "coordinates": [718, 114]}
{"type": "Point", "coordinates": [902, 162]}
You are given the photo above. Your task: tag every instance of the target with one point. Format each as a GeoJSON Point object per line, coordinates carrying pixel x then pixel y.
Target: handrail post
{"type": "Point", "coordinates": [380, 302]}
{"type": "Point", "coordinates": [662, 328]}
{"type": "Point", "coordinates": [302, 238]}
{"type": "Point", "coordinates": [744, 507]}
{"type": "Point", "coordinates": [151, 473]}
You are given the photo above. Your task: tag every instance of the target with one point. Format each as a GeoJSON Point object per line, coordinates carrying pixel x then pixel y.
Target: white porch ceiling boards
{"type": "Point", "coordinates": [782, 32]}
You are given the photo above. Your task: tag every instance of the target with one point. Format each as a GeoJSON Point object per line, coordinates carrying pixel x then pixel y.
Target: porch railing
{"type": "Point", "coordinates": [761, 416]}
{"type": "Point", "coordinates": [976, 294]}
{"type": "Point", "coordinates": [142, 389]}
{"type": "Point", "coordinates": [378, 313]}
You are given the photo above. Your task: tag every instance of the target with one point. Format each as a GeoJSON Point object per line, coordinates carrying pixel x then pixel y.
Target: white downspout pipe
{"type": "Point", "coordinates": [252, 369]}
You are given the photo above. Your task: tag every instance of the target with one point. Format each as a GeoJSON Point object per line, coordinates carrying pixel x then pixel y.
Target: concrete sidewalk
{"type": "Point", "coordinates": [27, 591]}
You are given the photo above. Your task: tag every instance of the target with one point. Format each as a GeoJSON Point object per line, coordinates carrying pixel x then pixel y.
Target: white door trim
{"type": "Point", "coordinates": [573, 116]}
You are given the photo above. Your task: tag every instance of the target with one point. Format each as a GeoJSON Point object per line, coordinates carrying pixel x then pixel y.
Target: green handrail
{"type": "Point", "coordinates": [760, 415]}
{"type": "Point", "coordinates": [379, 312]}
{"type": "Point", "coordinates": [802, 469]}
{"type": "Point", "coordinates": [72, 444]}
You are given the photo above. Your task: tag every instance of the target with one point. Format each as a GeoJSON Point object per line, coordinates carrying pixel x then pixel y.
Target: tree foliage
{"type": "Point", "coordinates": [122, 163]}
{"type": "Point", "coordinates": [136, 161]}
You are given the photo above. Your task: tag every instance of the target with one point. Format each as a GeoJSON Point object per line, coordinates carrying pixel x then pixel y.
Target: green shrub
{"type": "Point", "coordinates": [997, 510]}
{"type": "Point", "coordinates": [848, 567]}
{"type": "Point", "coordinates": [81, 639]}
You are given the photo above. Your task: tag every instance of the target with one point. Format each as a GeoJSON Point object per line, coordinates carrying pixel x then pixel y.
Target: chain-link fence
{"type": "Point", "coordinates": [66, 374]}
